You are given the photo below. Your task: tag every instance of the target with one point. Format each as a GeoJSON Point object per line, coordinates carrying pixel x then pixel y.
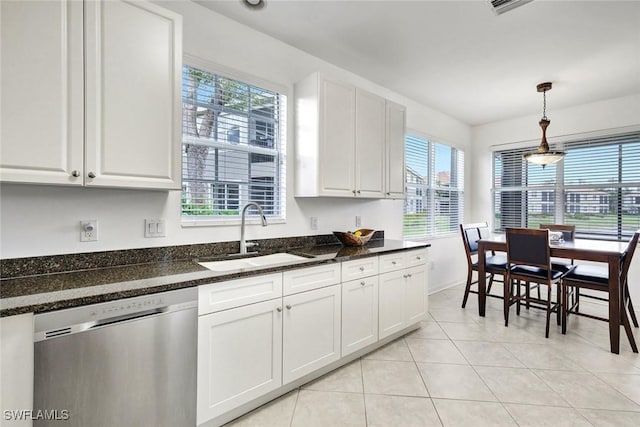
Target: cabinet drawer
{"type": "Point", "coordinates": [392, 262]}
{"type": "Point", "coordinates": [306, 279]}
{"type": "Point", "coordinates": [359, 268]}
{"type": "Point", "coordinates": [234, 293]}
{"type": "Point", "coordinates": [416, 257]}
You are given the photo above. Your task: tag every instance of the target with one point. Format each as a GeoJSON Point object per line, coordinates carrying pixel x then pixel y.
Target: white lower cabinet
{"type": "Point", "coordinates": [402, 291]}
{"type": "Point", "coordinates": [239, 356]}
{"type": "Point", "coordinates": [359, 314]}
{"type": "Point", "coordinates": [415, 294]}
{"type": "Point", "coordinates": [310, 332]}
{"type": "Point", "coordinates": [16, 367]}
{"type": "Point", "coordinates": [258, 335]}
{"type": "Point", "coordinates": [391, 306]}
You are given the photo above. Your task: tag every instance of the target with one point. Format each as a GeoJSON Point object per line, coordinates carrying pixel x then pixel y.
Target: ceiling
{"type": "Point", "coordinates": [459, 57]}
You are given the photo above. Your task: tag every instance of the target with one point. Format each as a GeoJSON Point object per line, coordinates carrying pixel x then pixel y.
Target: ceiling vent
{"type": "Point", "coordinates": [502, 6]}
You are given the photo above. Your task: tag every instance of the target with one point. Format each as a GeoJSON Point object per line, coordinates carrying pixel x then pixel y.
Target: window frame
{"type": "Point", "coordinates": [280, 193]}
{"type": "Point", "coordinates": [569, 195]}
{"type": "Point", "coordinates": [425, 197]}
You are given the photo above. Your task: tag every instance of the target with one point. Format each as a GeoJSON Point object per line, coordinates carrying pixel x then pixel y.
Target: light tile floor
{"type": "Point", "coordinates": [460, 369]}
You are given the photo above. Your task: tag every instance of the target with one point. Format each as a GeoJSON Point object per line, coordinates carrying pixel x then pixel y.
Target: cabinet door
{"type": "Point", "coordinates": [16, 365]}
{"type": "Point", "coordinates": [415, 294]}
{"type": "Point", "coordinates": [359, 314]}
{"type": "Point", "coordinates": [337, 139]}
{"type": "Point", "coordinates": [239, 357]}
{"type": "Point", "coordinates": [311, 331]}
{"type": "Point", "coordinates": [370, 144]}
{"type": "Point", "coordinates": [133, 83]}
{"type": "Point", "coordinates": [41, 92]}
{"type": "Point", "coordinates": [395, 178]}
{"type": "Point", "coordinates": [391, 303]}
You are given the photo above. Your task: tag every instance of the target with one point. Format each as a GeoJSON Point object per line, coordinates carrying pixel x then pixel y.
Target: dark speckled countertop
{"type": "Point", "coordinates": [64, 289]}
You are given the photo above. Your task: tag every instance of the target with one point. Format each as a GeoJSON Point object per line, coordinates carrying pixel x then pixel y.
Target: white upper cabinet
{"type": "Point", "coordinates": [41, 92]}
{"type": "Point", "coordinates": [342, 140]}
{"type": "Point", "coordinates": [370, 144]}
{"type": "Point", "coordinates": [124, 130]}
{"type": "Point", "coordinates": [396, 129]}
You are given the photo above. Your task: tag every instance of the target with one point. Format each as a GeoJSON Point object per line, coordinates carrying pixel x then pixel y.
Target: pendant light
{"type": "Point", "coordinates": [542, 156]}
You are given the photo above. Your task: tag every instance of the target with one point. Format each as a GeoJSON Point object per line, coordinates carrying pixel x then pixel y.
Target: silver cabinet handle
{"type": "Point", "coordinates": [393, 262]}
{"type": "Point", "coordinates": [75, 173]}
{"type": "Point", "coordinates": [405, 276]}
{"type": "Point", "coordinates": [91, 175]}
{"type": "Point", "coordinates": [362, 283]}
{"type": "Point", "coordinates": [361, 268]}
{"type": "Point", "coordinates": [409, 275]}
{"type": "Point", "coordinates": [388, 193]}
{"type": "Point", "coordinates": [288, 306]}
{"type": "Point", "coordinates": [279, 309]}
{"type": "Point", "coordinates": [358, 191]}
{"type": "Point", "coordinates": [418, 258]}
{"type": "Point", "coordinates": [353, 191]}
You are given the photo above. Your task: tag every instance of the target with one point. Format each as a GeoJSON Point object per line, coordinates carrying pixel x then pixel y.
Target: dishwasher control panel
{"type": "Point", "coordinates": [78, 319]}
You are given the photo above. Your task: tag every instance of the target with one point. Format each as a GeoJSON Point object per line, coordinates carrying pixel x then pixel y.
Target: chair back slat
{"type": "Point", "coordinates": [568, 231]}
{"type": "Point", "coordinates": [528, 247]}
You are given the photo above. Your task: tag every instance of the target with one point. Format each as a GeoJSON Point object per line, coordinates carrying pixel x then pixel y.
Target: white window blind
{"type": "Point", "coordinates": [596, 188]}
{"type": "Point", "coordinates": [233, 140]}
{"type": "Point", "coordinates": [434, 201]}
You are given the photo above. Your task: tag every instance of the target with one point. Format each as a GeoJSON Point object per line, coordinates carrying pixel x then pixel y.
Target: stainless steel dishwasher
{"type": "Point", "coordinates": [125, 363]}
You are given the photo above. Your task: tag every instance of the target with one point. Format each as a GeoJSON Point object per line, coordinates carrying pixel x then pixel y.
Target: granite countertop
{"type": "Point", "coordinates": [46, 292]}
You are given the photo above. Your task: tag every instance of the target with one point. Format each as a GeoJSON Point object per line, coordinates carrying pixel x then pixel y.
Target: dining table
{"type": "Point", "coordinates": [604, 251]}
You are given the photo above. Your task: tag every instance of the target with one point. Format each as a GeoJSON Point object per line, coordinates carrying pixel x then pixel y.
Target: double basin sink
{"type": "Point", "coordinates": [262, 261]}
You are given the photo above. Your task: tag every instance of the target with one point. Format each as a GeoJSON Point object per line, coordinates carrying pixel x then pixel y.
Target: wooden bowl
{"type": "Point", "coordinates": [350, 239]}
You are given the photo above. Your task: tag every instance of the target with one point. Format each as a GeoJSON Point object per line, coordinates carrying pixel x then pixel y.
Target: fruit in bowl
{"type": "Point", "coordinates": [358, 237]}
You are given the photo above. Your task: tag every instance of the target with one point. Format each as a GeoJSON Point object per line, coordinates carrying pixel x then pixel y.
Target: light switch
{"type": "Point", "coordinates": [154, 228]}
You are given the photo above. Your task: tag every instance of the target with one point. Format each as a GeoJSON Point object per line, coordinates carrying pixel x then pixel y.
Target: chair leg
{"type": "Point", "coordinates": [632, 313]}
{"type": "Point", "coordinates": [628, 330]}
{"type": "Point", "coordinates": [546, 333]}
{"type": "Point", "coordinates": [490, 283]}
{"type": "Point", "coordinates": [467, 288]}
{"type": "Point", "coordinates": [519, 296]}
{"type": "Point", "coordinates": [563, 308]}
{"type": "Point", "coordinates": [506, 299]}
{"type": "Point", "coordinates": [558, 303]}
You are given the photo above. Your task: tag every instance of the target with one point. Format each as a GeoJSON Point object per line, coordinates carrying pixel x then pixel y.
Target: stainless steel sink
{"type": "Point", "coordinates": [253, 262]}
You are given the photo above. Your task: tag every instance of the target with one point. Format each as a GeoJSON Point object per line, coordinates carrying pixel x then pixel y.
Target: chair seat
{"type": "Point", "coordinates": [561, 266]}
{"type": "Point", "coordinates": [493, 263]}
{"type": "Point", "coordinates": [589, 273]}
{"type": "Point", "coordinates": [536, 272]}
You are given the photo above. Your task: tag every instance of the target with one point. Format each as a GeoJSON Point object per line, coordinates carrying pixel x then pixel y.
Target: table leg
{"type": "Point", "coordinates": [482, 280]}
{"type": "Point", "coordinates": [614, 304]}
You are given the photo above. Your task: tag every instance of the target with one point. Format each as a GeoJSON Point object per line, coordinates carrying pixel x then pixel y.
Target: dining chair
{"type": "Point", "coordinates": [596, 278]}
{"type": "Point", "coordinates": [495, 263]}
{"type": "Point", "coordinates": [529, 260]}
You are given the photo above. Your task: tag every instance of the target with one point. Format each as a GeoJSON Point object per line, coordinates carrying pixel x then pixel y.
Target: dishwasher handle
{"type": "Point", "coordinates": [129, 316]}
{"type": "Point", "coordinates": [80, 319]}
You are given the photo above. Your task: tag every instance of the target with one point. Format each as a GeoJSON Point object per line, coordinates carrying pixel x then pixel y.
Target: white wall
{"type": "Point", "coordinates": [40, 220]}
{"type": "Point", "coordinates": [602, 117]}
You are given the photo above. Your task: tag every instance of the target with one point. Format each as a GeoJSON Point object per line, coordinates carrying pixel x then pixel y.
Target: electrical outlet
{"type": "Point", "coordinates": [314, 222]}
{"type": "Point", "coordinates": [89, 230]}
{"type": "Point", "coordinates": [358, 221]}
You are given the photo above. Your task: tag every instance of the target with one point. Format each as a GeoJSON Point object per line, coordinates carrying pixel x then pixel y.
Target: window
{"type": "Point", "coordinates": [434, 202]}
{"type": "Point", "coordinates": [233, 147]}
{"type": "Point", "coordinates": [596, 188]}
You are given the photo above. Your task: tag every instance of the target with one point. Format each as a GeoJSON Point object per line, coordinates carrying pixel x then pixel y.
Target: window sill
{"type": "Point", "coordinates": [187, 223]}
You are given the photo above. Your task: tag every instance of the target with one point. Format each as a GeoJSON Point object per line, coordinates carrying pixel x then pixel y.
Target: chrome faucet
{"type": "Point", "coordinates": [243, 243]}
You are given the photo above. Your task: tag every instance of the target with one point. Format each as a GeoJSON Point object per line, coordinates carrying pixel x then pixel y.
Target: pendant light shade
{"type": "Point", "coordinates": [542, 156]}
